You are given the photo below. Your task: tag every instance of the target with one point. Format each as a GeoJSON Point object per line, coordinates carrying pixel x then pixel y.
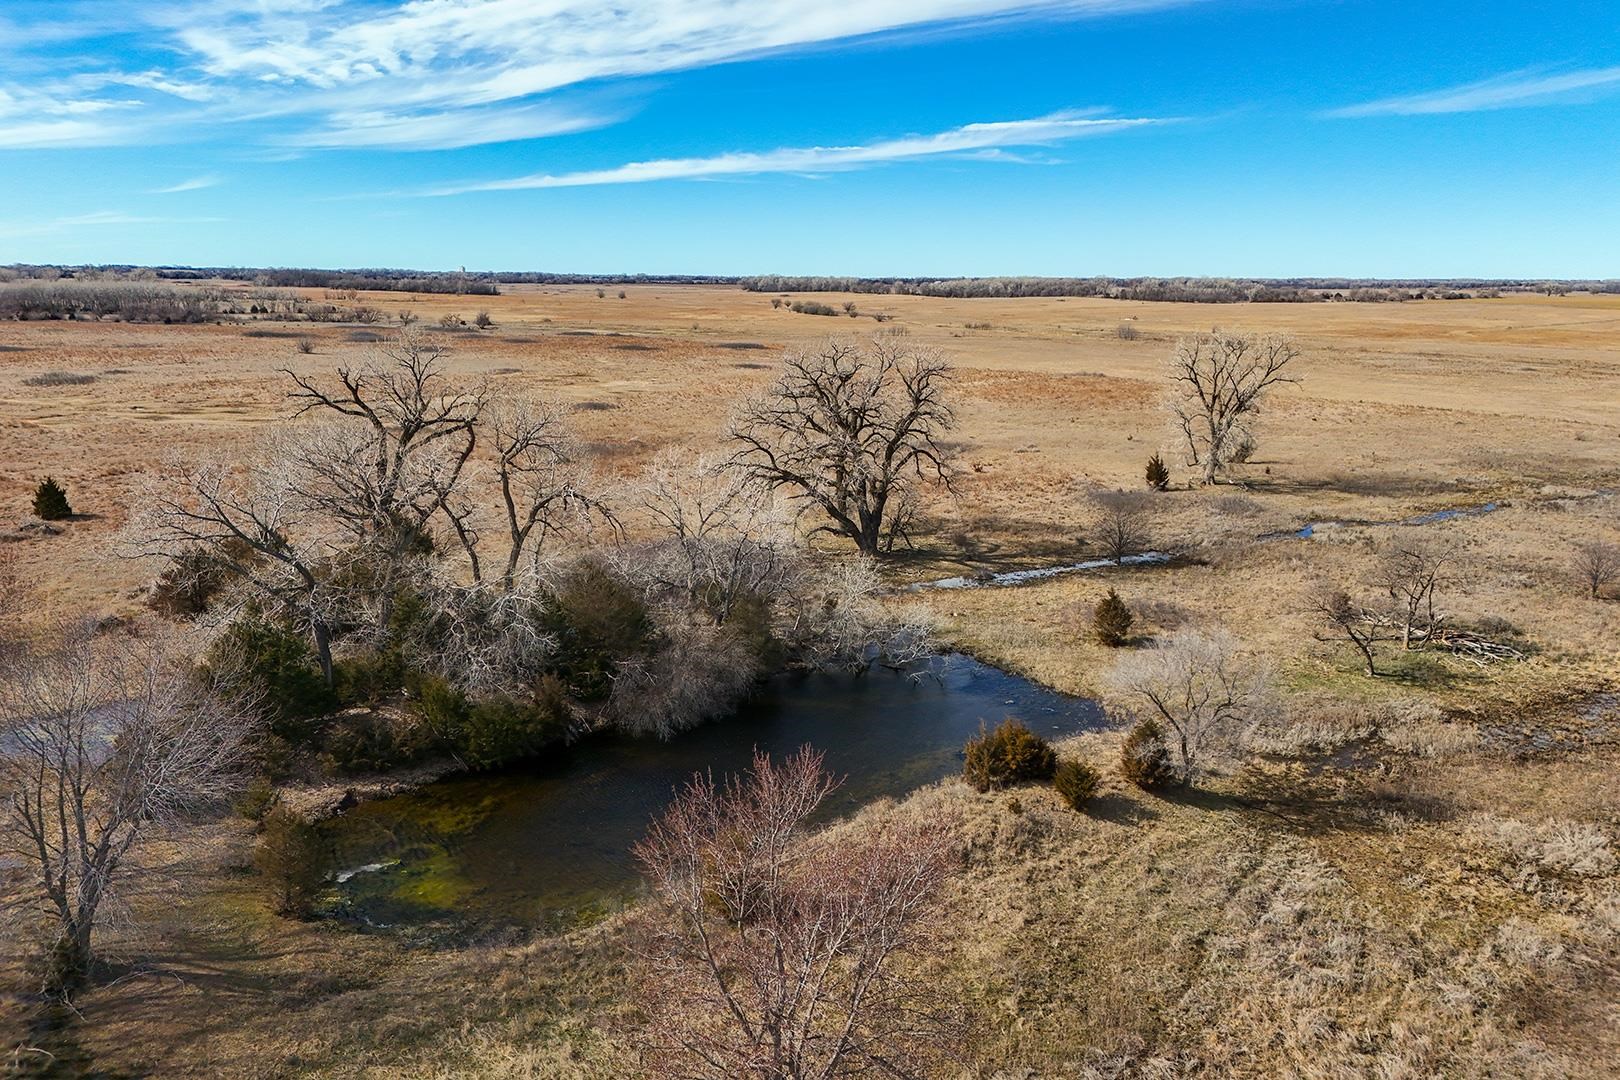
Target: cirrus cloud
{"type": "Point", "coordinates": [977, 140]}
{"type": "Point", "coordinates": [413, 75]}
{"type": "Point", "coordinates": [1517, 90]}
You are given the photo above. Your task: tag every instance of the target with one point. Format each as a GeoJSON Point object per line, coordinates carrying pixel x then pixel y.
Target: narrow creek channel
{"type": "Point", "coordinates": [550, 842]}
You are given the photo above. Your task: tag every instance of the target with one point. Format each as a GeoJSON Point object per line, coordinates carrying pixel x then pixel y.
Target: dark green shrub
{"type": "Point", "coordinates": [292, 859]}
{"type": "Point", "coordinates": [256, 799]}
{"type": "Point", "coordinates": [500, 730]}
{"type": "Point", "coordinates": [490, 732]}
{"type": "Point", "coordinates": [275, 665]}
{"type": "Point", "coordinates": [1158, 477]}
{"type": "Point", "coordinates": [440, 707]}
{"type": "Point", "coordinates": [51, 501]}
{"type": "Point", "coordinates": [750, 623]}
{"type": "Point", "coordinates": [1076, 782]}
{"type": "Point", "coordinates": [598, 620]}
{"type": "Point", "coordinates": [1011, 754]}
{"type": "Point", "coordinates": [369, 678]}
{"type": "Point", "coordinates": [1111, 621]}
{"type": "Point", "coordinates": [1144, 760]}
{"type": "Point", "coordinates": [365, 740]}
{"type": "Point", "coordinates": [273, 756]}
{"type": "Point", "coordinates": [195, 578]}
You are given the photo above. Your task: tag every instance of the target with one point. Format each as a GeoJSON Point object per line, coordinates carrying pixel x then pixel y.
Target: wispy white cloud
{"type": "Point", "coordinates": [54, 134]}
{"type": "Point", "coordinates": [1516, 90]}
{"type": "Point", "coordinates": [444, 130]}
{"type": "Point", "coordinates": [969, 140]}
{"type": "Point", "coordinates": [426, 74]}
{"type": "Point", "coordinates": [94, 220]}
{"type": "Point", "coordinates": [506, 49]}
{"type": "Point", "coordinates": [195, 183]}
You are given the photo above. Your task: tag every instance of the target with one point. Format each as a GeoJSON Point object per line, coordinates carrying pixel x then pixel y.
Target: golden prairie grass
{"type": "Point", "coordinates": [1447, 910]}
{"type": "Point", "coordinates": [1336, 925]}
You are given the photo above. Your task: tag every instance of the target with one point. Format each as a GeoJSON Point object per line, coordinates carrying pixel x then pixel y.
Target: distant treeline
{"type": "Point", "coordinates": [379, 280]}
{"type": "Point", "coordinates": [1185, 289]}
{"type": "Point", "coordinates": [471, 282]}
{"type": "Point", "coordinates": [480, 283]}
{"type": "Point", "coordinates": [133, 301]}
{"type": "Point", "coordinates": [1201, 290]}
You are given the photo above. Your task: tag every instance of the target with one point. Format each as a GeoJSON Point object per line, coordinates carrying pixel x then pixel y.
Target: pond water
{"type": "Point", "coordinates": [550, 843]}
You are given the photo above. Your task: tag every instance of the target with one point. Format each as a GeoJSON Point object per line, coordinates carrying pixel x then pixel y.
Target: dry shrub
{"type": "Point", "coordinates": [1311, 725]}
{"type": "Point", "coordinates": [1011, 754]}
{"type": "Point", "coordinates": [1560, 848]}
{"type": "Point", "coordinates": [702, 672]}
{"type": "Point", "coordinates": [1431, 738]}
{"type": "Point", "coordinates": [59, 378]}
{"type": "Point", "coordinates": [770, 950]}
{"type": "Point", "coordinates": [1144, 759]}
{"type": "Point", "coordinates": [1314, 724]}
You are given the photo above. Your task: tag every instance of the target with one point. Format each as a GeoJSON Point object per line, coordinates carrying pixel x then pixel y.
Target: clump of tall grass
{"type": "Point", "coordinates": [59, 378]}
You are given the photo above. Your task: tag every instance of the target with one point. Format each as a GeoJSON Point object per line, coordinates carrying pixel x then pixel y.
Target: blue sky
{"type": "Point", "coordinates": [874, 137]}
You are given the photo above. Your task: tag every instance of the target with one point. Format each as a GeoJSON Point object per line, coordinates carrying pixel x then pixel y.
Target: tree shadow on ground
{"type": "Point", "coordinates": [1120, 810]}
{"type": "Point", "coordinates": [1315, 802]}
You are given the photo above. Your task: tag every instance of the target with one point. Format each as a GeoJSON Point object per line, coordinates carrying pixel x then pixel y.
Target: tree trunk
{"type": "Point", "coordinates": [868, 537]}
{"type": "Point", "coordinates": [68, 966]}
{"type": "Point", "coordinates": [323, 648]}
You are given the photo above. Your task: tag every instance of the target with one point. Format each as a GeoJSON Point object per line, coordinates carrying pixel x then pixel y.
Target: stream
{"type": "Point", "coordinates": [549, 843]}
{"type": "Point", "coordinates": [1159, 558]}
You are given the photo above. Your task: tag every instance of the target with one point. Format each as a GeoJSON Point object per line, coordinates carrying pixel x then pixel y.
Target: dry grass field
{"type": "Point", "coordinates": [1441, 898]}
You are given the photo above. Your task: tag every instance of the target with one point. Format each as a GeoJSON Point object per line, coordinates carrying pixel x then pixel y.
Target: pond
{"type": "Point", "coordinates": [550, 843]}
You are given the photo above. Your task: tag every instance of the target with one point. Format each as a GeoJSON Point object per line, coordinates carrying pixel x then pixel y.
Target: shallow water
{"type": "Point", "coordinates": [1020, 577]}
{"type": "Point", "coordinates": [544, 844]}
{"type": "Point", "coordinates": [1434, 517]}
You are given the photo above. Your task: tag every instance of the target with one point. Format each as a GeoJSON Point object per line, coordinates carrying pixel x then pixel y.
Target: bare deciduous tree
{"type": "Point", "coordinates": [721, 537]}
{"type": "Point", "coordinates": [543, 485]}
{"type": "Point", "coordinates": [847, 431]}
{"type": "Point", "coordinates": [1198, 688]}
{"type": "Point", "coordinates": [1362, 627]}
{"type": "Point", "coordinates": [101, 742]}
{"type": "Point", "coordinates": [1217, 383]}
{"type": "Point", "coordinates": [1123, 519]}
{"type": "Point", "coordinates": [1597, 563]}
{"type": "Point", "coordinates": [367, 474]}
{"type": "Point", "coordinates": [251, 523]}
{"type": "Point", "coordinates": [776, 953]}
{"type": "Point", "coordinates": [1410, 571]}
{"type": "Point", "coordinates": [482, 638]}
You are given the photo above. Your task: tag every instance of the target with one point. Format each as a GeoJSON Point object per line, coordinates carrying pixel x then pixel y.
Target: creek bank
{"type": "Point", "coordinates": [316, 802]}
{"type": "Point", "coordinates": [548, 843]}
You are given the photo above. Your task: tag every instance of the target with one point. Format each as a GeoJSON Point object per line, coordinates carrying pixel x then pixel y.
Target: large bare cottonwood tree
{"type": "Point", "coordinates": [1217, 383]}
{"type": "Point", "coordinates": [328, 517]}
{"type": "Point", "coordinates": [851, 431]}
{"type": "Point", "coordinates": [378, 473]}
